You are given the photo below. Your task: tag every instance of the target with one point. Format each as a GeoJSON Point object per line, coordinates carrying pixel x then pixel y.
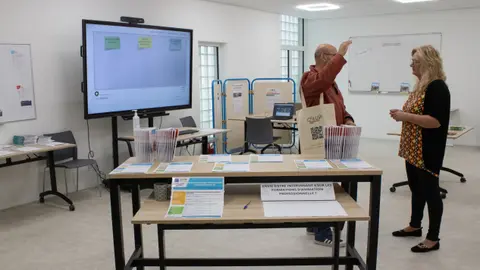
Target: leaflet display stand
{"type": "Point", "coordinates": [150, 116]}
{"type": "Point", "coordinates": [236, 93]}
{"type": "Point", "coordinates": [268, 91]}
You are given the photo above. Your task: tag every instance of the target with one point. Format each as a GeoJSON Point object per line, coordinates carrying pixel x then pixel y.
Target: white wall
{"type": "Point", "coordinates": [460, 53]}
{"type": "Point", "coordinates": [53, 28]}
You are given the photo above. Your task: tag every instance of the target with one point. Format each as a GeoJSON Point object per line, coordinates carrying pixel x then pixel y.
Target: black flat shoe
{"type": "Point", "coordinates": [421, 248]}
{"type": "Point", "coordinates": [403, 233]}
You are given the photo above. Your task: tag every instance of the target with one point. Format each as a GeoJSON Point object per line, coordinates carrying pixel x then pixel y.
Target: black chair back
{"type": "Point", "coordinates": [259, 130]}
{"type": "Point", "coordinates": [65, 137]}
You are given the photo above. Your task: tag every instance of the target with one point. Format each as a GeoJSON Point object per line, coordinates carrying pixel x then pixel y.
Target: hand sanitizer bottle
{"type": "Point", "coordinates": [136, 121]}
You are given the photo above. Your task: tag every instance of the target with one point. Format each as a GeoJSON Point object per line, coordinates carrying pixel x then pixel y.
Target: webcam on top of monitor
{"type": "Point", "coordinates": [132, 20]}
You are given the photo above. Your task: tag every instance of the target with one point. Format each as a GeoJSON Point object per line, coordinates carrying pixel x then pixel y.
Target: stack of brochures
{"type": "Point", "coordinates": [155, 144]}
{"type": "Point", "coordinates": [342, 142]}
{"type": "Point", "coordinates": [44, 140]}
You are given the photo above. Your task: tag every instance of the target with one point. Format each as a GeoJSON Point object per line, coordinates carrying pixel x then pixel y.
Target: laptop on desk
{"type": "Point", "coordinates": [188, 131]}
{"type": "Point", "coordinates": [283, 111]}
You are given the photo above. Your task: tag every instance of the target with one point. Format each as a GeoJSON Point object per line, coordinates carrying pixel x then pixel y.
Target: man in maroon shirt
{"type": "Point", "coordinates": [321, 79]}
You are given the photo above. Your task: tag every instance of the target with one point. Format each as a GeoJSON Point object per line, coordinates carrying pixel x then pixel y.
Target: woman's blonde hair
{"type": "Point", "coordinates": [431, 66]}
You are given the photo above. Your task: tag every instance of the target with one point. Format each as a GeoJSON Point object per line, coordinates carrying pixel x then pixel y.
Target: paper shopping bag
{"type": "Point", "coordinates": [311, 122]}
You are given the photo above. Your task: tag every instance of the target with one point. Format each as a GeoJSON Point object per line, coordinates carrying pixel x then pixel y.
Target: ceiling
{"type": "Point", "coordinates": [350, 8]}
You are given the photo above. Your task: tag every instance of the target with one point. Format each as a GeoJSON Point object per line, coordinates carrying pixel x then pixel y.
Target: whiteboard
{"type": "Point", "coordinates": [382, 63]}
{"type": "Point", "coordinates": [17, 99]}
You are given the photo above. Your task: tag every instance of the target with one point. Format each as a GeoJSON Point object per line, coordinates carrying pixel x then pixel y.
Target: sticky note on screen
{"type": "Point", "coordinates": [145, 42]}
{"type": "Point", "coordinates": [112, 43]}
{"type": "Point", "coordinates": [175, 44]}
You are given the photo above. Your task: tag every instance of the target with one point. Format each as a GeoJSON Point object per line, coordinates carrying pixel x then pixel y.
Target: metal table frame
{"type": "Point", "coordinates": [53, 176]}
{"type": "Point", "coordinates": [352, 258]}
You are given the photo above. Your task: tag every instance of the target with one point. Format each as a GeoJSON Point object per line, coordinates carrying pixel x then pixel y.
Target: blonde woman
{"type": "Point", "coordinates": [425, 119]}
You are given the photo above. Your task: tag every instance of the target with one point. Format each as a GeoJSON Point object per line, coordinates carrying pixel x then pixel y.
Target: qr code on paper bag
{"type": "Point", "coordinates": [317, 133]}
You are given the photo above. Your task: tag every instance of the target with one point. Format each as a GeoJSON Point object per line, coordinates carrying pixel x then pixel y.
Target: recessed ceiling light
{"type": "Point", "coordinates": [413, 1]}
{"type": "Point", "coordinates": [318, 7]}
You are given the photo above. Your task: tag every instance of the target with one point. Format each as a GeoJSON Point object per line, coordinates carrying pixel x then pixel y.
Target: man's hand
{"type": "Point", "coordinates": [398, 115]}
{"type": "Point", "coordinates": [349, 122]}
{"type": "Point", "coordinates": [344, 47]}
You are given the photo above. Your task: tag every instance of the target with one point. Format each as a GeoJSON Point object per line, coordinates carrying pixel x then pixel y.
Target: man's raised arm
{"type": "Point", "coordinates": [315, 83]}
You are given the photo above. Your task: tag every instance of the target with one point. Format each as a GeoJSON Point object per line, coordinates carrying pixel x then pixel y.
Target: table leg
{"type": "Point", "coordinates": [137, 228]}
{"type": "Point", "coordinates": [117, 227]}
{"type": "Point", "coordinates": [299, 147]}
{"type": "Point", "coordinates": [161, 246]}
{"type": "Point", "coordinates": [53, 183]}
{"type": "Point", "coordinates": [336, 246]}
{"type": "Point", "coordinates": [351, 225]}
{"type": "Point", "coordinates": [204, 145]}
{"type": "Point", "coordinates": [373, 225]}
{"type": "Point", "coordinates": [245, 145]}
{"type": "Point", "coordinates": [115, 141]}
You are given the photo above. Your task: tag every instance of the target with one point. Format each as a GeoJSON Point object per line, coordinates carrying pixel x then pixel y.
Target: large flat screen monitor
{"type": "Point", "coordinates": [135, 67]}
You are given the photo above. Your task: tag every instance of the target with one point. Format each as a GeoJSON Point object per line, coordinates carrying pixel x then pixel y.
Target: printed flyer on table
{"type": "Point", "coordinates": [197, 197]}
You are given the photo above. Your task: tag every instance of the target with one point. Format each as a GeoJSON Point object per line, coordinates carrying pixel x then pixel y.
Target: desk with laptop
{"type": "Point", "coordinates": [283, 118]}
{"type": "Point", "coordinates": [283, 113]}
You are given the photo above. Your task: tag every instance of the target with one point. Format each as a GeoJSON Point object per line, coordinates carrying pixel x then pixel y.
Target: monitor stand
{"type": "Point", "coordinates": [149, 115]}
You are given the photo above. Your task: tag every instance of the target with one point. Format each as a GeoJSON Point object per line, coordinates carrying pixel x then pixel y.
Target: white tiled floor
{"type": "Point", "coordinates": [44, 237]}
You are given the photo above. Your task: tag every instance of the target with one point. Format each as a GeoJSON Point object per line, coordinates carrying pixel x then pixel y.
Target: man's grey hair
{"type": "Point", "coordinates": [319, 53]}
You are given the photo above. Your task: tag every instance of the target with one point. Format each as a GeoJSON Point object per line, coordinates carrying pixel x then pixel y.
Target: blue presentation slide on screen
{"type": "Point", "coordinates": [136, 68]}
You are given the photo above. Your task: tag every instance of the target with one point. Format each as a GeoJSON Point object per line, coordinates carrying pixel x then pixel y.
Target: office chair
{"type": "Point", "coordinates": [260, 131]}
{"type": "Point", "coordinates": [188, 121]}
{"type": "Point", "coordinates": [443, 192]}
{"type": "Point", "coordinates": [68, 159]}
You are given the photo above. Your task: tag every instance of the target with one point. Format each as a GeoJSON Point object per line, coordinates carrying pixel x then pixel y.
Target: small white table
{"type": "Point", "coordinates": [39, 152]}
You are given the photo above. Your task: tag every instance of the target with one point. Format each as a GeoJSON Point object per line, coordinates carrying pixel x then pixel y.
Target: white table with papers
{"type": "Point", "coordinates": [16, 155]}
{"type": "Point", "coordinates": [155, 212]}
{"type": "Point", "coordinates": [247, 211]}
